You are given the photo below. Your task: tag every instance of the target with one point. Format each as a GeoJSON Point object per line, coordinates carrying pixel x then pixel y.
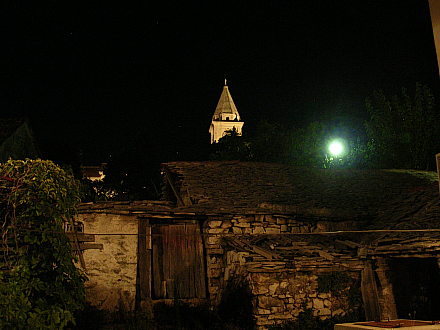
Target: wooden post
{"type": "Point", "coordinates": [369, 293]}
{"type": "Point", "coordinates": [144, 258]}
{"type": "Point", "coordinates": [437, 160]}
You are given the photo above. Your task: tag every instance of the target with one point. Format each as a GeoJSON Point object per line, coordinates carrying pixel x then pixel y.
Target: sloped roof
{"type": "Point", "coordinates": [225, 105]}
{"type": "Point", "coordinates": [8, 126]}
{"type": "Point", "coordinates": [245, 187]}
{"type": "Point", "coordinates": [417, 208]}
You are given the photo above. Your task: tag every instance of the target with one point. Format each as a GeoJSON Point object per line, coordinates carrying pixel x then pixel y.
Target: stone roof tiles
{"type": "Point", "coordinates": [245, 187]}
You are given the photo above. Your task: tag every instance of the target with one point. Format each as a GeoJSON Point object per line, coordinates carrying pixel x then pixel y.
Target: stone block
{"type": "Point", "coordinates": [240, 219]}
{"type": "Point", "coordinates": [277, 310]}
{"type": "Point", "coordinates": [284, 229]}
{"type": "Point", "coordinates": [247, 231]}
{"type": "Point", "coordinates": [259, 217]}
{"type": "Point", "coordinates": [262, 311]}
{"type": "Point", "coordinates": [214, 272]}
{"type": "Point", "coordinates": [226, 224]}
{"type": "Point", "coordinates": [273, 230]}
{"type": "Point", "coordinates": [213, 240]}
{"type": "Point", "coordinates": [269, 218]}
{"type": "Point", "coordinates": [260, 278]}
{"type": "Point", "coordinates": [215, 223]}
{"type": "Point", "coordinates": [318, 303]}
{"type": "Point", "coordinates": [300, 296]}
{"type": "Point", "coordinates": [269, 302]}
{"type": "Point", "coordinates": [324, 312]}
{"type": "Point", "coordinates": [273, 287]}
{"type": "Point", "coordinates": [263, 322]}
{"type": "Point", "coordinates": [215, 230]}
{"type": "Point", "coordinates": [258, 230]}
{"type": "Point", "coordinates": [213, 289]}
{"type": "Point", "coordinates": [237, 230]}
{"type": "Point", "coordinates": [260, 290]}
{"type": "Point", "coordinates": [281, 221]}
{"type": "Point", "coordinates": [243, 224]}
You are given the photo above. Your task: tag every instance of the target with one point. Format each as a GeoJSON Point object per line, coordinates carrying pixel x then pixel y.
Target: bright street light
{"type": "Point", "coordinates": [335, 148]}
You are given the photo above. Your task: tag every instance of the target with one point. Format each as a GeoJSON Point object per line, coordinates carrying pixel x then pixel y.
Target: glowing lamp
{"type": "Point", "coordinates": [335, 148]}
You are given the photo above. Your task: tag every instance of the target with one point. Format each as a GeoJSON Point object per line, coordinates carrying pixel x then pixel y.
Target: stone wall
{"type": "Point", "coordinates": [280, 291]}
{"type": "Point", "coordinates": [282, 296]}
{"type": "Point", "coordinates": [112, 270]}
{"type": "Point", "coordinates": [280, 288]}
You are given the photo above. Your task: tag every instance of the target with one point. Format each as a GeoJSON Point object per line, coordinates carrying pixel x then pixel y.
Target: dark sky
{"type": "Point", "coordinates": [97, 75]}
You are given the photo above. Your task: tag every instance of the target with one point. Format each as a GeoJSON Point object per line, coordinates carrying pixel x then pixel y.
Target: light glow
{"type": "Point", "coordinates": [335, 148]}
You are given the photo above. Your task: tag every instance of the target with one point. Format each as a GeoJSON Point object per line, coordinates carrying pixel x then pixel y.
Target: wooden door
{"type": "Point", "coordinates": [178, 269]}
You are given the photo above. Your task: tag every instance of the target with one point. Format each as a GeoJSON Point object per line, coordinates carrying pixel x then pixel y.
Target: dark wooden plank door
{"type": "Point", "coordinates": [178, 268]}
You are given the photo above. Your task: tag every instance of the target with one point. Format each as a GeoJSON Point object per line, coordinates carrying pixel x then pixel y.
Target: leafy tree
{"type": "Point", "coordinates": [40, 287]}
{"type": "Point", "coordinates": [269, 143]}
{"type": "Point", "coordinates": [404, 131]}
{"type": "Point", "coordinates": [232, 146]}
{"type": "Point", "coordinates": [308, 145]}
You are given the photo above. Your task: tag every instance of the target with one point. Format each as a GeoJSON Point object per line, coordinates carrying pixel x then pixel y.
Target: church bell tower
{"type": "Point", "coordinates": [225, 117]}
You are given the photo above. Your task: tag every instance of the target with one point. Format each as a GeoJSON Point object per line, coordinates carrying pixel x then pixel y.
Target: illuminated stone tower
{"type": "Point", "coordinates": [225, 117]}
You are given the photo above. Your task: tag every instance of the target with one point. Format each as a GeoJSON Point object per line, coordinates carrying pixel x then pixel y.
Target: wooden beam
{"type": "Point", "coordinates": [167, 173]}
{"type": "Point", "coordinates": [76, 243]}
{"type": "Point", "coordinates": [370, 295]}
{"type": "Point", "coordinates": [144, 258]}
{"type": "Point", "coordinates": [88, 246]}
{"type": "Point", "coordinates": [81, 237]}
{"type": "Point", "coordinates": [351, 244]}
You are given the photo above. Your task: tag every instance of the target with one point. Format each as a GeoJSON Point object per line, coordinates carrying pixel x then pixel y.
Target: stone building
{"type": "Point", "coordinates": [299, 238]}
{"type": "Point", "coordinates": [225, 116]}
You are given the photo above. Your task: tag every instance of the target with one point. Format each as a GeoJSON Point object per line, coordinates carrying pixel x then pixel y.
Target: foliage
{"type": "Point", "coordinates": [307, 321]}
{"type": "Point", "coordinates": [343, 286]}
{"type": "Point", "coordinates": [232, 146]}
{"type": "Point", "coordinates": [269, 143]}
{"type": "Point", "coordinates": [404, 130]}
{"type": "Point", "coordinates": [40, 286]}
{"type": "Point", "coordinates": [236, 305]}
{"type": "Point", "coordinates": [309, 145]}
{"type": "Point", "coordinates": [335, 283]}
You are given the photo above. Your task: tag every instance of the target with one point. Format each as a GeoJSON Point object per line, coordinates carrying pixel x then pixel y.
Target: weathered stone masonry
{"type": "Point", "coordinates": [280, 288]}
{"type": "Point", "coordinates": [280, 257]}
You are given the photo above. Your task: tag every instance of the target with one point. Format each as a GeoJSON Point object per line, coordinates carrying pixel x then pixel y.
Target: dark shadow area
{"type": "Point", "coordinates": [416, 286]}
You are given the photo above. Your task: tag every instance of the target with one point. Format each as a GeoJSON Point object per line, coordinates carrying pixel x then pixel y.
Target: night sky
{"type": "Point", "coordinates": [99, 75]}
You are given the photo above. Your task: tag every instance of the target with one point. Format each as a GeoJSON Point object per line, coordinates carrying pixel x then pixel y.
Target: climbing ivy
{"type": "Point", "coordinates": [341, 285]}
{"type": "Point", "coordinates": [40, 287]}
{"type": "Point", "coordinates": [336, 283]}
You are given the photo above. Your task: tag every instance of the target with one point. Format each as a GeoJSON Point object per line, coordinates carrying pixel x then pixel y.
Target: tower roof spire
{"type": "Point", "coordinates": [226, 106]}
{"type": "Point", "coordinates": [225, 117]}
